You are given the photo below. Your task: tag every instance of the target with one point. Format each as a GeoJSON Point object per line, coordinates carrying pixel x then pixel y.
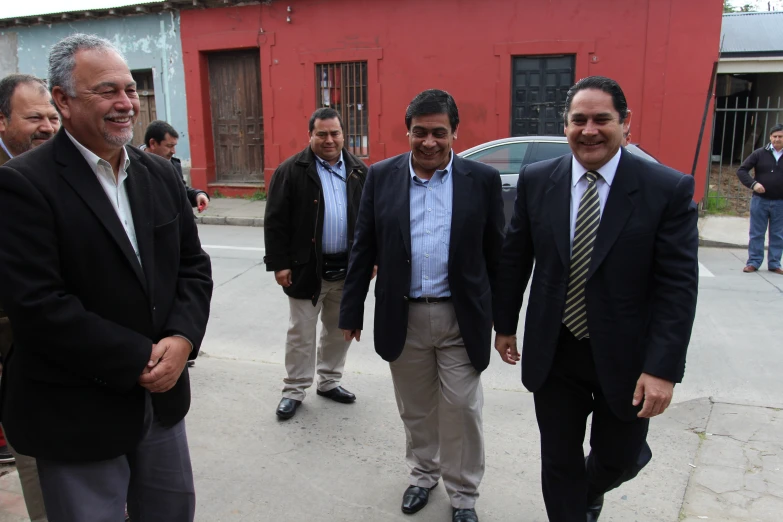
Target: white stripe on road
{"type": "Point", "coordinates": [703, 270]}
{"type": "Point", "coordinates": [225, 247]}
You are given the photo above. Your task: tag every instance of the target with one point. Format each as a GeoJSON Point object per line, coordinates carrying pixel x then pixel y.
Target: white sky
{"type": "Point", "coordinates": [15, 8]}
{"type": "Point", "coordinates": [761, 5]}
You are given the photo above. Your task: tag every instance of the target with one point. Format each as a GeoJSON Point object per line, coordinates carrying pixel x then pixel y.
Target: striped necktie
{"type": "Point", "coordinates": [587, 219]}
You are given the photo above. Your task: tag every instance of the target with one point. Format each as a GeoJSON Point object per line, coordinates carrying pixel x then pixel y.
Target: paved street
{"type": "Point", "coordinates": [335, 462]}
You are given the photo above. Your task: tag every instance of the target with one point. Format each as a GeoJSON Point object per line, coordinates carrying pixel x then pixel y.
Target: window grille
{"type": "Point", "coordinates": [343, 87]}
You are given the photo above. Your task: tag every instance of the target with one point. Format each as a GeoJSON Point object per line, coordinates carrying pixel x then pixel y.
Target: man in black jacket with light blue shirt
{"type": "Point", "coordinates": [434, 223]}
{"type": "Point", "coordinates": [311, 210]}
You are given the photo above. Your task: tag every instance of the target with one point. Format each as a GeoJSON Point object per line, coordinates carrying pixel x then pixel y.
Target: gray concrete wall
{"type": "Point", "coordinates": [149, 41]}
{"type": "Point", "coordinates": [8, 60]}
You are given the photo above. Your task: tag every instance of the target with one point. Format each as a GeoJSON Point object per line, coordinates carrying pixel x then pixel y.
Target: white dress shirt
{"type": "Point", "coordinates": [115, 188]}
{"type": "Point", "coordinates": [579, 185]}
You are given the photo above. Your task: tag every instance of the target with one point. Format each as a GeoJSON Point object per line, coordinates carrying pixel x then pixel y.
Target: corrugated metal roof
{"type": "Point", "coordinates": [752, 32]}
{"type": "Point", "coordinates": [20, 9]}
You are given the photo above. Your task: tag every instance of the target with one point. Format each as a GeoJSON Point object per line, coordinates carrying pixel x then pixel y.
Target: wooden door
{"type": "Point", "coordinates": [237, 118]}
{"type": "Point", "coordinates": [538, 93]}
{"type": "Point", "coordinates": [147, 112]}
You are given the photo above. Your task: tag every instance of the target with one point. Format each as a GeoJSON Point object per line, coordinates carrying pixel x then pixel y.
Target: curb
{"type": "Point", "coordinates": [259, 222]}
{"type": "Point", "coordinates": [228, 220]}
{"type": "Point", "coordinates": [720, 244]}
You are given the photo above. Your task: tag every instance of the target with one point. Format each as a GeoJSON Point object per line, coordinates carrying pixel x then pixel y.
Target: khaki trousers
{"type": "Point", "coordinates": [31, 486]}
{"type": "Point", "coordinates": [26, 466]}
{"type": "Point", "coordinates": [301, 355]}
{"type": "Point", "coordinates": [440, 398]}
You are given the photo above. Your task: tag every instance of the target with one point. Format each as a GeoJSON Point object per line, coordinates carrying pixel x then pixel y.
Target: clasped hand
{"type": "Point", "coordinates": [167, 360]}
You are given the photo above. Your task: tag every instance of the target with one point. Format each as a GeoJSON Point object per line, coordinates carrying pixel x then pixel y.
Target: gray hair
{"type": "Point", "coordinates": [62, 58]}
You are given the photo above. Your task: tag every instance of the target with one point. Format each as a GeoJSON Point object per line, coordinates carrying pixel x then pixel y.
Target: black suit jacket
{"type": "Point", "coordinates": [85, 313]}
{"type": "Point", "coordinates": [642, 281]}
{"type": "Point", "coordinates": [383, 233]}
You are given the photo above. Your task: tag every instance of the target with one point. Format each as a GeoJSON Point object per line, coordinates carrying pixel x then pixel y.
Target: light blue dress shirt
{"type": "Point", "coordinates": [335, 199]}
{"type": "Point", "coordinates": [431, 204]}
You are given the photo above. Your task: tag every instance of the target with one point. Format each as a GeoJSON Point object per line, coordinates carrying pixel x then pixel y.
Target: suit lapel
{"type": "Point", "coordinates": [617, 210]}
{"type": "Point", "coordinates": [139, 188]}
{"type": "Point", "coordinates": [402, 187]}
{"type": "Point", "coordinates": [79, 175]}
{"type": "Point", "coordinates": [462, 184]}
{"type": "Point", "coordinates": [557, 202]}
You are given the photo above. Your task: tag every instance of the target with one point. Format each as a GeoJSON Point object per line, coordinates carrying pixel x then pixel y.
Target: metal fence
{"type": "Point", "coordinates": [740, 126]}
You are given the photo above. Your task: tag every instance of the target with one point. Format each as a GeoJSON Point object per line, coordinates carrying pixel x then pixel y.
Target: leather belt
{"type": "Point", "coordinates": [429, 300]}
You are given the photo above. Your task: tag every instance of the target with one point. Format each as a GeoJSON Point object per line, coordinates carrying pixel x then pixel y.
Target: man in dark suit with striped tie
{"type": "Point", "coordinates": [612, 301]}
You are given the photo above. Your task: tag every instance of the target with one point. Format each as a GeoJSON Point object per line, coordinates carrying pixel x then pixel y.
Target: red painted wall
{"type": "Point", "coordinates": [661, 52]}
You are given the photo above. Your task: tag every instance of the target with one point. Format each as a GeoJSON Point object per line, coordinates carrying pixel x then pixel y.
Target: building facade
{"type": "Point", "coordinates": [150, 43]}
{"type": "Point", "coordinates": [255, 73]}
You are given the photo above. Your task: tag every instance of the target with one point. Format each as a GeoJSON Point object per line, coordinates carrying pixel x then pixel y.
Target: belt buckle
{"type": "Point", "coordinates": [427, 300]}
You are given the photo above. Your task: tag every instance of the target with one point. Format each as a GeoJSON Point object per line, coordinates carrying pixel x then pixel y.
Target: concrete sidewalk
{"type": "Point", "coordinates": [718, 231]}
{"type": "Point", "coordinates": [345, 463]}
{"type": "Point", "coordinates": [233, 211]}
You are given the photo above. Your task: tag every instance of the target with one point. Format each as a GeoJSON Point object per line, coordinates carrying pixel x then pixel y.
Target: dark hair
{"type": "Point", "coordinates": [600, 83]}
{"type": "Point", "coordinates": [8, 86]}
{"type": "Point", "coordinates": [776, 128]}
{"type": "Point", "coordinates": [324, 113]}
{"type": "Point", "coordinates": [433, 101]}
{"type": "Point", "coordinates": [157, 131]}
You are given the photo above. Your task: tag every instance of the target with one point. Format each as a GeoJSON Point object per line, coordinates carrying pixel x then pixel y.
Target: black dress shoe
{"type": "Point", "coordinates": [594, 509]}
{"type": "Point", "coordinates": [415, 498]}
{"type": "Point", "coordinates": [287, 408]}
{"type": "Point", "coordinates": [464, 515]}
{"type": "Point", "coordinates": [338, 394]}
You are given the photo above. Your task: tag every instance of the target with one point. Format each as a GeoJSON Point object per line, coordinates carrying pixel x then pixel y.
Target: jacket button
{"type": "Point", "coordinates": [313, 240]}
{"type": "Point", "coordinates": [315, 201]}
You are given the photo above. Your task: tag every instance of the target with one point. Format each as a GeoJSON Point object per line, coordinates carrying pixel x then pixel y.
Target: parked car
{"type": "Point", "coordinates": [509, 155]}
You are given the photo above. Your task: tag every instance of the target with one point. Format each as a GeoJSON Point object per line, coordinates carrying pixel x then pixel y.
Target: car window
{"type": "Point", "coordinates": [507, 158]}
{"type": "Point", "coordinates": [547, 150]}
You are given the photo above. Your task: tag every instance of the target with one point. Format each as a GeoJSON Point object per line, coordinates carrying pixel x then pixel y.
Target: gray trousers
{"type": "Point", "coordinates": [440, 398]}
{"type": "Point", "coordinates": [155, 479]}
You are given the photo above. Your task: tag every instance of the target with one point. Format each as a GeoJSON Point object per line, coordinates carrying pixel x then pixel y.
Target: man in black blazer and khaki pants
{"type": "Point", "coordinates": [104, 279]}
{"type": "Point", "coordinates": [612, 301]}
{"type": "Point", "coordinates": [434, 223]}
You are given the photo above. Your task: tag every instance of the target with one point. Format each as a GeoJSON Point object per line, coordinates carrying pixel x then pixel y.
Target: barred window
{"type": "Point", "coordinates": [343, 87]}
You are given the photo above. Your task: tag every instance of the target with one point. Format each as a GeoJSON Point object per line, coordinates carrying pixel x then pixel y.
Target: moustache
{"type": "Point", "coordinates": [42, 135]}
{"type": "Point", "coordinates": [114, 115]}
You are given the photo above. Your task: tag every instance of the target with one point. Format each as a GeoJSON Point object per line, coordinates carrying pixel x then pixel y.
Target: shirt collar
{"type": "Point", "coordinates": [93, 159]}
{"type": "Point", "coordinates": [324, 163]}
{"type": "Point", "coordinates": [5, 148]}
{"type": "Point", "coordinates": [607, 172]}
{"type": "Point", "coordinates": [769, 148]}
{"type": "Point", "coordinates": [445, 171]}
